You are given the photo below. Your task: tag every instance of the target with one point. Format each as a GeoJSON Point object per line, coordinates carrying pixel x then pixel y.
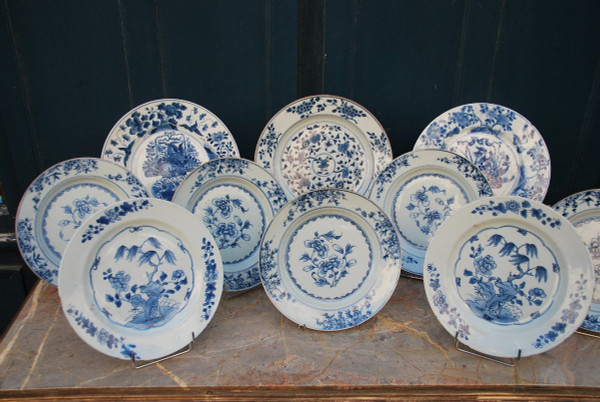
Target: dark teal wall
{"type": "Point", "coordinates": [71, 68]}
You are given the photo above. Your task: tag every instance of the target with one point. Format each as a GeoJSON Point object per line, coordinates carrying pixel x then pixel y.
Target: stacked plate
{"type": "Point", "coordinates": [324, 218]}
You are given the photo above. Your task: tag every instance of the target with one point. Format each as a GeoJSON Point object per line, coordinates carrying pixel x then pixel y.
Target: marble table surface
{"type": "Point", "coordinates": [250, 346]}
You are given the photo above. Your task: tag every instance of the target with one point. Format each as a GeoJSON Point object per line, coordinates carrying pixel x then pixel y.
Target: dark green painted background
{"type": "Point", "coordinates": [70, 69]}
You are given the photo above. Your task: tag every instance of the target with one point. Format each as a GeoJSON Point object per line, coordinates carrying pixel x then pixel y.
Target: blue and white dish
{"type": "Point", "coordinates": [508, 276]}
{"type": "Point", "coordinates": [235, 199]}
{"type": "Point", "coordinates": [59, 201]}
{"type": "Point", "coordinates": [505, 146]}
{"type": "Point", "coordinates": [163, 140]}
{"type": "Point", "coordinates": [330, 259]}
{"type": "Point", "coordinates": [139, 278]}
{"type": "Point", "coordinates": [583, 211]}
{"type": "Point", "coordinates": [323, 141]}
{"type": "Point", "coordinates": [419, 191]}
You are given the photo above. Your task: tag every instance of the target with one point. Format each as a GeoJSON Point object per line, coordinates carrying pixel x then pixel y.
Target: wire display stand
{"type": "Point", "coordinates": [179, 352]}
{"type": "Point", "coordinates": [465, 349]}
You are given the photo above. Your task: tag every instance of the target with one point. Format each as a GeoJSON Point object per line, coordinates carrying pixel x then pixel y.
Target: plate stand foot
{"type": "Point", "coordinates": [179, 352]}
{"type": "Point", "coordinates": [587, 332]}
{"type": "Point", "coordinates": [463, 348]}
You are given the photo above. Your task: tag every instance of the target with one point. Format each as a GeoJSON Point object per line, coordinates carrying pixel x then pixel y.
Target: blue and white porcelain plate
{"type": "Point", "coordinates": [323, 141]}
{"type": "Point", "coordinates": [139, 278]}
{"type": "Point", "coordinates": [59, 201]}
{"type": "Point", "coordinates": [583, 211]}
{"type": "Point", "coordinates": [505, 146]}
{"type": "Point", "coordinates": [419, 191]}
{"type": "Point", "coordinates": [163, 140]}
{"type": "Point", "coordinates": [330, 259]}
{"type": "Point", "coordinates": [508, 274]}
{"type": "Point", "coordinates": [235, 199]}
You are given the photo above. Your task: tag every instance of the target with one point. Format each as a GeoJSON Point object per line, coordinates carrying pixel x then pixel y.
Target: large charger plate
{"type": "Point", "coordinates": [235, 199]}
{"type": "Point", "coordinates": [419, 191]}
{"type": "Point", "coordinates": [163, 140]}
{"type": "Point", "coordinates": [57, 203]}
{"type": "Point", "coordinates": [508, 277]}
{"type": "Point", "coordinates": [505, 146]}
{"type": "Point", "coordinates": [323, 141]}
{"type": "Point", "coordinates": [330, 259]}
{"type": "Point", "coordinates": [140, 278]}
{"type": "Point", "coordinates": [583, 211]}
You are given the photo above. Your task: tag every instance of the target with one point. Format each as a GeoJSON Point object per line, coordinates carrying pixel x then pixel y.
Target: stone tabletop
{"type": "Point", "coordinates": [250, 345]}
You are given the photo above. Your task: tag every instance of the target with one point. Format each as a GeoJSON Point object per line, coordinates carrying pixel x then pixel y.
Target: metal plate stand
{"type": "Point", "coordinates": [465, 349]}
{"type": "Point", "coordinates": [179, 352]}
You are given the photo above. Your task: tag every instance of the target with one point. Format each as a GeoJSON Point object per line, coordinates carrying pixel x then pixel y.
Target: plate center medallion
{"type": "Point", "coordinates": [235, 218]}
{"type": "Point", "coordinates": [142, 277]}
{"type": "Point", "coordinates": [507, 275]}
{"type": "Point", "coordinates": [423, 203]}
{"type": "Point", "coordinates": [165, 158]}
{"type": "Point", "coordinates": [492, 156]}
{"type": "Point", "coordinates": [323, 155]}
{"type": "Point", "coordinates": [68, 209]}
{"type": "Point", "coordinates": [329, 257]}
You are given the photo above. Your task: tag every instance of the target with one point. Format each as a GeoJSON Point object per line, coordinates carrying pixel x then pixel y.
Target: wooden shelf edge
{"type": "Point", "coordinates": [289, 392]}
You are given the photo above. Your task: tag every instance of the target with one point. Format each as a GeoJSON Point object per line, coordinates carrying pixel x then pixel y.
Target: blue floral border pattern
{"type": "Point", "coordinates": [211, 277]}
{"type": "Point", "coordinates": [498, 121]}
{"type": "Point", "coordinates": [269, 273]}
{"type": "Point", "coordinates": [35, 259]}
{"type": "Point", "coordinates": [470, 171]}
{"type": "Point", "coordinates": [112, 215]}
{"type": "Point", "coordinates": [240, 167]}
{"type": "Point", "coordinates": [340, 107]}
{"type": "Point", "coordinates": [101, 335]}
{"type": "Point", "coordinates": [217, 139]}
{"type": "Point", "coordinates": [312, 200]}
{"type": "Point", "coordinates": [135, 187]}
{"type": "Point", "coordinates": [59, 172]}
{"type": "Point", "coordinates": [389, 173]}
{"type": "Point", "coordinates": [570, 205]}
{"type": "Point", "coordinates": [591, 322]}
{"type": "Point", "coordinates": [242, 280]}
{"type": "Point", "coordinates": [522, 208]}
{"type": "Point", "coordinates": [439, 300]}
{"type": "Point", "coordinates": [569, 315]}
{"type": "Point", "coordinates": [347, 318]}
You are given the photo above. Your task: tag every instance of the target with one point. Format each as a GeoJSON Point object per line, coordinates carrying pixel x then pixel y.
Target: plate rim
{"type": "Point", "coordinates": [390, 251]}
{"type": "Point", "coordinates": [576, 287]}
{"type": "Point", "coordinates": [544, 147]}
{"type": "Point", "coordinates": [275, 206]}
{"type": "Point", "coordinates": [132, 192]}
{"type": "Point", "coordinates": [86, 317]}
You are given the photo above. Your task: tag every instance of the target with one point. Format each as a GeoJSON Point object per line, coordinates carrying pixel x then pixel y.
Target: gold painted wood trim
{"type": "Point", "coordinates": [291, 393]}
